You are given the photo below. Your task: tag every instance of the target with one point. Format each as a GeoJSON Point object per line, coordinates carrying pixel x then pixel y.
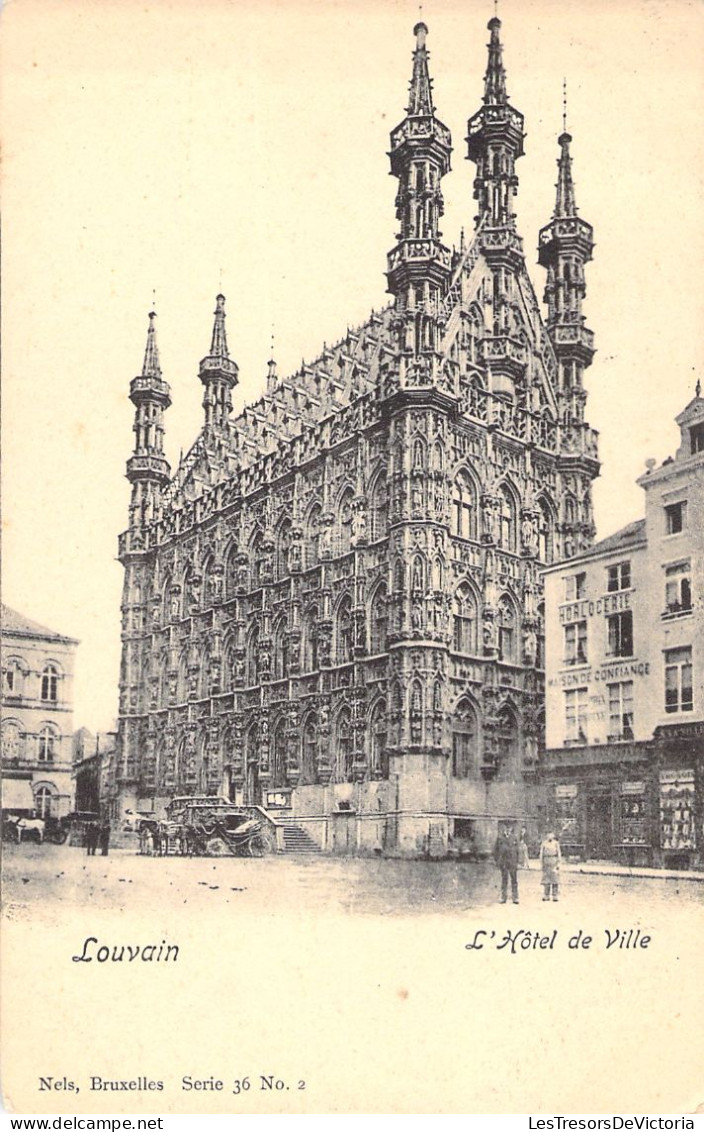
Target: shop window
{"type": "Point", "coordinates": [678, 680]}
{"type": "Point", "coordinates": [633, 814]}
{"type": "Point", "coordinates": [620, 710]}
{"type": "Point", "coordinates": [618, 577]}
{"type": "Point", "coordinates": [576, 643]}
{"type": "Point", "coordinates": [576, 715]}
{"type": "Point", "coordinates": [575, 587]}
{"type": "Point", "coordinates": [619, 628]}
{"type": "Point", "coordinates": [678, 588]}
{"type": "Point", "coordinates": [676, 517]}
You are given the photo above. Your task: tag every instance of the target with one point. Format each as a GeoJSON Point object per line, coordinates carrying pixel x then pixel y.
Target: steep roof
{"type": "Point", "coordinates": [17, 625]}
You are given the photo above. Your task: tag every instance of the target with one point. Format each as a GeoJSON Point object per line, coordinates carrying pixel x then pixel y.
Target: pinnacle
{"type": "Point", "coordinates": [421, 100]}
{"type": "Point", "coordinates": [151, 367]}
{"type": "Point", "coordinates": [218, 345]}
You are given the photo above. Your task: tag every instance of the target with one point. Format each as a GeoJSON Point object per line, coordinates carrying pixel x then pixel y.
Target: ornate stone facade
{"type": "Point", "coordinates": [334, 607]}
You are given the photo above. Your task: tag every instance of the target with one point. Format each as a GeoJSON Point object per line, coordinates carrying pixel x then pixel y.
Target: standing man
{"type": "Point", "coordinates": [506, 855]}
{"type": "Point", "coordinates": [550, 857]}
{"type": "Point", "coordinates": [104, 837]}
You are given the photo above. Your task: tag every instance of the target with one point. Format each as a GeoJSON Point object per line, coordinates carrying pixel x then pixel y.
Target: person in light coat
{"type": "Point", "coordinates": [550, 857]}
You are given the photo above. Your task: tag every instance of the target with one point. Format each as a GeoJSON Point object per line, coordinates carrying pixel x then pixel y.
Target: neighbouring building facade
{"type": "Point", "coordinates": [333, 608]}
{"type": "Point", "coordinates": [624, 765]}
{"type": "Point", "coordinates": [37, 717]}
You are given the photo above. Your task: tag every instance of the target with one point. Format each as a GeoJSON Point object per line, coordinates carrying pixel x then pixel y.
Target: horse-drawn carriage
{"type": "Point", "coordinates": [205, 826]}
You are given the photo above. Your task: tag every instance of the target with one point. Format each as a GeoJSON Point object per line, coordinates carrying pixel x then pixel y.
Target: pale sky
{"type": "Point", "coordinates": [197, 145]}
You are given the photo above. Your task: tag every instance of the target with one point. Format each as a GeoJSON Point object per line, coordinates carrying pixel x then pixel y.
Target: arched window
{"type": "Point", "coordinates": [507, 631]}
{"type": "Point", "coordinates": [313, 536]}
{"type": "Point", "coordinates": [345, 636]}
{"type": "Point", "coordinates": [378, 758]}
{"type": "Point", "coordinates": [309, 762]}
{"type": "Point", "coordinates": [166, 602]}
{"type": "Point", "coordinates": [45, 799]}
{"type": "Point", "coordinates": [464, 636]}
{"type": "Point", "coordinates": [278, 755]}
{"type": "Point", "coordinates": [379, 508]}
{"type": "Point", "coordinates": [378, 622]}
{"type": "Point", "coordinates": [283, 543]}
{"type": "Point", "coordinates": [344, 523]}
{"type": "Point", "coordinates": [280, 653]}
{"type": "Point", "coordinates": [13, 677]}
{"type": "Point", "coordinates": [343, 747]}
{"type": "Point", "coordinates": [507, 517]}
{"type": "Point", "coordinates": [464, 507]}
{"type": "Point", "coordinates": [464, 740]}
{"type": "Point", "coordinates": [252, 657]}
{"type": "Point", "coordinates": [48, 741]}
{"type": "Point", "coordinates": [50, 684]}
{"type": "Point", "coordinates": [545, 532]}
{"type": "Point", "coordinates": [11, 739]}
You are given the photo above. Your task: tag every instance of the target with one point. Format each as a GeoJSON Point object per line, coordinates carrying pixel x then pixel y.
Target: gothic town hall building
{"type": "Point", "coordinates": [333, 609]}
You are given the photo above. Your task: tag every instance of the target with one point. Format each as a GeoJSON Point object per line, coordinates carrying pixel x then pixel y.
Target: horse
{"type": "Point", "coordinates": [33, 827]}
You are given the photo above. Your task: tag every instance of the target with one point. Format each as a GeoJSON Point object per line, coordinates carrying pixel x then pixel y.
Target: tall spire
{"type": "Point", "coordinates": [219, 374]}
{"type": "Point", "coordinates": [419, 266]}
{"type": "Point", "coordinates": [147, 469]}
{"type": "Point", "coordinates": [565, 203]}
{"type": "Point", "coordinates": [218, 343]}
{"type": "Point", "coordinates": [421, 96]}
{"type": "Point", "coordinates": [494, 142]}
{"type": "Point", "coordinates": [495, 77]}
{"type": "Point", "coordinates": [151, 367]}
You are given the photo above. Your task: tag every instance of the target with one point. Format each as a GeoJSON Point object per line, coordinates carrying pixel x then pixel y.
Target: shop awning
{"type": "Point", "coordinates": [17, 794]}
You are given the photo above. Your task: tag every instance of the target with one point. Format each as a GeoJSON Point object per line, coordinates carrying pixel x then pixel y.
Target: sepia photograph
{"type": "Point", "coordinates": [353, 557]}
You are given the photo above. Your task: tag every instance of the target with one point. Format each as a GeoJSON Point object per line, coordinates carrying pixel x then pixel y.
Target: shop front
{"type": "Point", "coordinates": [680, 770]}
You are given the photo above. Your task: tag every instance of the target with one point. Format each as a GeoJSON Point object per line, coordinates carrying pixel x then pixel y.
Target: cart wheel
{"type": "Point", "coordinates": [217, 847]}
{"type": "Point", "coordinates": [260, 845]}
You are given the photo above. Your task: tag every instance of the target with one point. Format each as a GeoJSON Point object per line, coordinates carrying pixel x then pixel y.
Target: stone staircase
{"type": "Point", "coordinates": [296, 840]}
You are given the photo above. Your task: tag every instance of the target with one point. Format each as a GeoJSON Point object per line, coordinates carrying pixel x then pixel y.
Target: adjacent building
{"type": "Point", "coordinates": [333, 609]}
{"type": "Point", "coordinates": [37, 717]}
{"type": "Point", "coordinates": [624, 761]}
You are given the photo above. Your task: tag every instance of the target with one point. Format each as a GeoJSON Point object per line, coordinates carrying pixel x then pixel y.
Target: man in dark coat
{"type": "Point", "coordinates": [507, 854]}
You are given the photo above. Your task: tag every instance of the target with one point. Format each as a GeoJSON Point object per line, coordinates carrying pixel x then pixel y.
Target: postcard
{"type": "Point", "coordinates": [353, 462]}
